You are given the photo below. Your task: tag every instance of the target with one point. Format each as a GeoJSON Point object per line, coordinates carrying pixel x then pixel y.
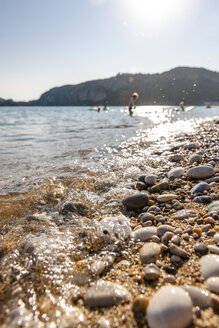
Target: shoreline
{"type": "Point", "coordinates": [114, 255]}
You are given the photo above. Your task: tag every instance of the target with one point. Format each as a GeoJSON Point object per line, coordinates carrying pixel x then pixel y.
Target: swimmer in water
{"type": "Point", "coordinates": [133, 98]}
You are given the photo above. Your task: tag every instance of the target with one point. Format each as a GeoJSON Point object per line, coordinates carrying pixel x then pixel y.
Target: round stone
{"type": "Point", "coordinates": [200, 248]}
{"type": "Point", "coordinates": [213, 284]}
{"type": "Point", "coordinates": [210, 266]}
{"type": "Point", "coordinates": [105, 293]}
{"type": "Point", "coordinates": [176, 172]}
{"type": "Point", "coordinates": [144, 234]}
{"type": "Point", "coordinates": [200, 172]}
{"type": "Point", "coordinates": [175, 158]}
{"type": "Point", "coordinates": [161, 230]}
{"type": "Point", "coordinates": [214, 206]}
{"type": "Point", "coordinates": [199, 297]}
{"type": "Point", "coordinates": [140, 303]}
{"type": "Point", "coordinates": [216, 238]}
{"type": "Point", "coordinates": [191, 145]}
{"type": "Point", "coordinates": [137, 201]}
{"type": "Point", "coordinates": [195, 158]}
{"type": "Point", "coordinates": [150, 252]}
{"type": "Point", "coordinates": [150, 180]}
{"type": "Point", "coordinates": [200, 187]}
{"type": "Point", "coordinates": [170, 307]}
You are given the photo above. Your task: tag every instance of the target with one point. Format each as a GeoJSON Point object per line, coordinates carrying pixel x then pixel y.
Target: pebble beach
{"type": "Point", "coordinates": [141, 251]}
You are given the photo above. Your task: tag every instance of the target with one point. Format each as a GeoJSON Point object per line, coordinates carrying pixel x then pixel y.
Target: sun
{"type": "Point", "coordinates": [155, 14]}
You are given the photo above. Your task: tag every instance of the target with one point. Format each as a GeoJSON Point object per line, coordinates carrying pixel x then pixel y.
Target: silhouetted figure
{"type": "Point", "coordinates": [133, 98]}
{"type": "Point", "coordinates": [181, 104]}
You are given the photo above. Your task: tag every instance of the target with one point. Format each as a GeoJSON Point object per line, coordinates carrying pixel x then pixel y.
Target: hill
{"type": "Point", "coordinates": [195, 86]}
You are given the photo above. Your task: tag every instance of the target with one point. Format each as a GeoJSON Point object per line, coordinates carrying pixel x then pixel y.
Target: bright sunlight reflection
{"type": "Point", "coordinates": [154, 13]}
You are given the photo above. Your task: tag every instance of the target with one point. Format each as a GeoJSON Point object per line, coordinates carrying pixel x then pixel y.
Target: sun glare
{"type": "Point", "coordinates": [155, 14]}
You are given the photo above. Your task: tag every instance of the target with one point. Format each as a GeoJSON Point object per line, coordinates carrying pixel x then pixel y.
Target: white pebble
{"type": "Point", "coordinates": [170, 307]}
{"type": "Point", "coordinates": [213, 284]}
{"type": "Point", "coordinates": [210, 266]}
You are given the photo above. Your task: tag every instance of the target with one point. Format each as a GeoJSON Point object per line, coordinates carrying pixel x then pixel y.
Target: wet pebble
{"type": "Point", "coordinates": [170, 307]}
{"type": "Point", "coordinates": [162, 229]}
{"type": "Point", "coordinates": [201, 248]}
{"type": "Point", "coordinates": [176, 173]}
{"type": "Point", "coordinates": [199, 188]}
{"type": "Point", "coordinates": [150, 252]}
{"type": "Point", "coordinates": [213, 284]}
{"type": "Point", "coordinates": [209, 266]}
{"type": "Point", "coordinates": [144, 234]}
{"type": "Point", "coordinates": [150, 180]}
{"type": "Point", "coordinates": [175, 158]}
{"type": "Point", "coordinates": [175, 240]}
{"type": "Point", "coordinates": [203, 199]}
{"type": "Point", "coordinates": [213, 249]}
{"type": "Point", "coordinates": [176, 250]}
{"type": "Point", "coordinates": [143, 217]}
{"type": "Point", "coordinates": [199, 297]}
{"type": "Point", "coordinates": [137, 201]}
{"type": "Point", "coordinates": [195, 158]}
{"type": "Point", "coordinates": [200, 172]}
{"type": "Point", "coordinates": [160, 186]}
{"type": "Point", "coordinates": [151, 272]}
{"type": "Point", "coordinates": [105, 293]}
{"type": "Point", "coordinates": [166, 198]}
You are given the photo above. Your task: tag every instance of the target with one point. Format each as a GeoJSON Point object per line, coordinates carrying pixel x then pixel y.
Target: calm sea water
{"type": "Point", "coordinates": [38, 142]}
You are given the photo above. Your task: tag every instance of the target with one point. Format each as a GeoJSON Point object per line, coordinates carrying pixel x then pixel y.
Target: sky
{"type": "Point", "coordinates": [48, 43]}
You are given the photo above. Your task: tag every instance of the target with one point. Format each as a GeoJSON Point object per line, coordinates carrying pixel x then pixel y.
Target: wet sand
{"type": "Point", "coordinates": [54, 244]}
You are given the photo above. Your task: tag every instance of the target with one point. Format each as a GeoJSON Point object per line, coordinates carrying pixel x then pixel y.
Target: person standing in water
{"type": "Point", "coordinates": [181, 104]}
{"type": "Point", "coordinates": [133, 98]}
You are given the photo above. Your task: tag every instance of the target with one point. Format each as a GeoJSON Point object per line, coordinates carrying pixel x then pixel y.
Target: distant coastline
{"type": "Point", "coordinates": [196, 86]}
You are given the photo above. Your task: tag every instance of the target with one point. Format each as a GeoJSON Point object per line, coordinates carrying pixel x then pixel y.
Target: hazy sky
{"type": "Point", "coordinates": [47, 43]}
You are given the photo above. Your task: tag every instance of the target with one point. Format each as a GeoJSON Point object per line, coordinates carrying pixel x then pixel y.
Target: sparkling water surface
{"type": "Point", "coordinates": [37, 142]}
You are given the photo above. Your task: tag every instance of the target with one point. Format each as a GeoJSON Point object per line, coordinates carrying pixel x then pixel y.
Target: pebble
{"type": "Point", "coordinates": [161, 230]}
{"type": "Point", "coordinates": [77, 208]}
{"type": "Point", "coordinates": [141, 185]}
{"type": "Point", "coordinates": [150, 180]}
{"type": "Point", "coordinates": [178, 206]}
{"type": "Point", "coordinates": [176, 250]}
{"type": "Point", "coordinates": [191, 145]}
{"type": "Point", "coordinates": [199, 188]}
{"type": "Point", "coordinates": [213, 284]}
{"type": "Point", "coordinates": [144, 234]}
{"type": "Point", "coordinates": [176, 173]}
{"type": "Point", "coordinates": [216, 238]}
{"type": "Point", "coordinates": [199, 297]}
{"type": "Point", "coordinates": [175, 240]}
{"type": "Point", "coordinates": [137, 201]}
{"type": "Point", "coordinates": [160, 186]}
{"type": "Point", "coordinates": [200, 172]}
{"type": "Point", "coordinates": [203, 199]}
{"type": "Point", "coordinates": [209, 266]}
{"type": "Point", "coordinates": [213, 249]}
{"type": "Point", "coordinates": [175, 158]}
{"type": "Point", "coordinates": [175, 259]}
{"type": "Point", "coordinates": [103, 323]}
{"type": "Point", "coordinates": [195, 158]}
{"type": "Point", "coordinates": [166, 197]}
{"type": "Point", "coordinates": [167, 237]}
{"type": "Point", "coordinates": [143, 217]}
{"type": "Point", "coordinates": [140, 303]}
{"type": "Point", "coordinates": [169, 278]}
{"type": "Point", "coordinates": [115, 227]}
{"type": "Point", "coordinates": [150, 252]}
{"type": "Point", "coordinates": [200, 248]}
{"type": "Point", "coordinates": [154, 208]}
{"type": "Point", "coordinates": [170, 307]}
{"type": "Point", "coordinates": [105, 293]}
{"type": "Point", "coordinates": [151, 272]}
{"type": "Point", "coordinates": [206, 227]}
{"type": "Point", "coordinates": [214, 206]}
{"type": "Point", "coordinates": [184, 214]}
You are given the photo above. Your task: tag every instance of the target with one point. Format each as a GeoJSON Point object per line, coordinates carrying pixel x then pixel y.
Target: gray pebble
{"type": "Point", "coordinates": [175, 240]}
{"type": "Point", "coordinates": [213, 249]}
{"type": "Point", "coordinates": [164, 228]}
{"type": "Point", "coordinates": [178, 251]}
{"type": "Point", "coordinates": [137, 201]}
{"type": "Point", "coordinates": [210, 266]}
{"type": "Point", "coordinates": [203, 199]}
{"type": "Point", "coordinates": [105, 293]}
{"type": "Point", "coordinates": [200, 248]}
{"type": "Point", "coordinates": [166, 237]}
{"type": "Point", "coordinates": [176, 172]}
{"type": "Point", "coordinates": [151, 272]}
{"type": "Point", "coordinates": [199, 297]}
{"type": "Point", "coordinates": [200, 172]}
{"type": "Point", "coordinates": [169, 278]}
{"type": "Point", "coordinates": [214, 206]}
{"type": "Point", "coordinates": [145, 217]}
{"type": "Point", "coordinates": [195, 158]}
{"type": "Point", "coordinates": [150, 180]}
{"type": "Point", "coordinates": [200, 187]}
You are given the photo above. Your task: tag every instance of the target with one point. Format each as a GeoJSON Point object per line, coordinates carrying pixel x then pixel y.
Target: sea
{"type": "Point", "coordinates": [64, 172]}
{"type": "Point", "coordinates": [46, 142]}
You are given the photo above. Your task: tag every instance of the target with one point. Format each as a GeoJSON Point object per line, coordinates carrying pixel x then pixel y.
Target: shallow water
{"type": "Point", "coordinates": [52, 156]}
{"type": "Point", "coordinates": [38, 142]}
